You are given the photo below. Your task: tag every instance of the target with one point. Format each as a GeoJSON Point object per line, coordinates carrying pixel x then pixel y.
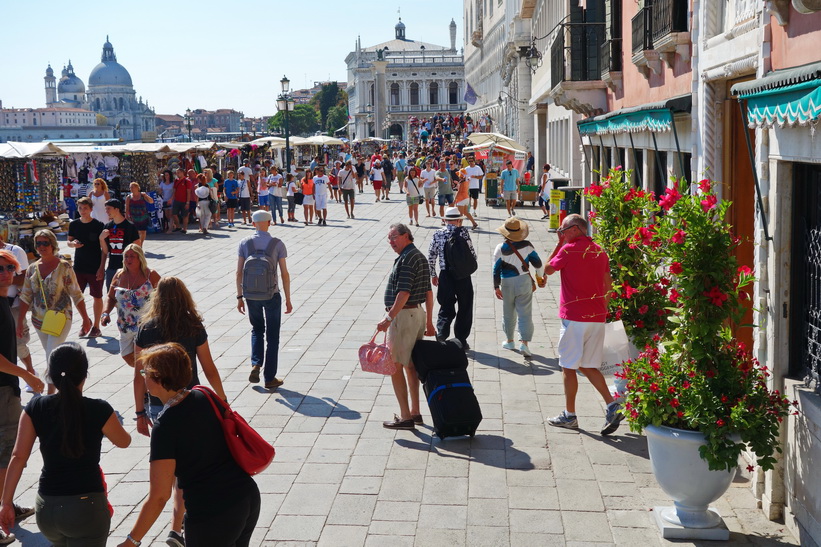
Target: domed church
{"type": "Point", "coordinates": [110, 93]}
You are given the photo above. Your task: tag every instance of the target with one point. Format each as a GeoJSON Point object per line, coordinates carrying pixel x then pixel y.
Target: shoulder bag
{"type": "Point", "coordinates": [53, 321]}
{"type": "Point", "coordinates": [249, 449]}
{"type": "Point", "coordinates": [525, 267]}
{"type": "Point", "coordinates": [377, 358]}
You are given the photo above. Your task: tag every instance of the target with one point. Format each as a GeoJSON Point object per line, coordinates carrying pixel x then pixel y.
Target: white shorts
{"type": "Point", "coordinates": [127, 342]}
{"type": "Point", "coordinates": [321, 201]}
{"type": "Point", "coordinates": [308, 200]}
{"type": "Point", "coordinates": [581, 344]}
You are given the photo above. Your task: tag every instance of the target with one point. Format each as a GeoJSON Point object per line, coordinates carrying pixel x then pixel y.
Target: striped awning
{"type": "Point", "coordinates": [652, 117]}
{"type": "Point", "coordinates": [783, 98]}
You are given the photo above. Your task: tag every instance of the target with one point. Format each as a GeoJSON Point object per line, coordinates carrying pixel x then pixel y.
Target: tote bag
{"type": "Point", "coordinates": [377, 358]}
{"type": "Point", "coordinates": [616, 348]}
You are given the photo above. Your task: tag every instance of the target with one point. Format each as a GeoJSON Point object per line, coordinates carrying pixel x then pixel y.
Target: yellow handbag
{"type": "Point", "coordinates": [53, 321]}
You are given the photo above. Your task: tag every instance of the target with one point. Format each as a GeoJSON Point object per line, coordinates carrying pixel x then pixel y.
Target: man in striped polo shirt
{"type": "Point", "coordinates": [408, 288]}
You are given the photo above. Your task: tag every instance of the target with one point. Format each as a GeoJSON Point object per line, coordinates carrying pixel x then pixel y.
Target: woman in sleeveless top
{"type": "Point", "coordinates": [129, 293]}
{"type": "Point", "coordinates": [98, 198]}
{"type": "Point", "coordinates": [136, 210]}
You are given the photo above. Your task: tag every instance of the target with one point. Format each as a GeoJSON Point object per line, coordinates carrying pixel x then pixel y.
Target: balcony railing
{"type": "Point", "coordinates": [400, 108]}
{"type": "Point", "coordinates": [583, 56]}
{"type": "Point", "coordinates": [642, 25]}
{"type": "Point", "coordinates": [611, 56]}
{"type": "Point", "coordinates": [668, 16]}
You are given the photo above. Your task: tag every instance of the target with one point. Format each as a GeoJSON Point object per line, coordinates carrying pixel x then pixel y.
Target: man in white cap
{"type": "Point", "coordinates": [260, 255]}
{"type": "Point", "coordinates": [451, 249]}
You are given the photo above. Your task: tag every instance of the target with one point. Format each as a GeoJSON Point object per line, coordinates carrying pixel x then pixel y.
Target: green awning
{"type": "Point", "coordinates": [788, 97]}
{"type": "Point", "coordinates": [653, 117]}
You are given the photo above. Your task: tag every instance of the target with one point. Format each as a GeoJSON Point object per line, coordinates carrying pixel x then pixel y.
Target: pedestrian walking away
{"type": "Point", "coordinates": [276, 194]}
{"type": "Point", "coordinates": [231, 189]}
{"type": "Point", "coordinates": [462, 193]}
{"type": "Point", "coordinates": [259, 257]}
{"type": "Point", "coordinates": [545, 188]}
{"type": "Point", "coordinates": [203, 194]}
{"type": "Point", "coordinates": [291, 189]}
{"type": "Point", "coordinates": [429, 186]}
{"type": "Point", "coordinates": [244, 190]}
{"type": "Point", "coordinates": [513, 284]}
{"type": "Point", "coordinates": [474, 175]}
{"type": "Point", "coordinates": [444, 188]}
{"type": "Point", "coordinates": [407, 290]}
{"type": "Point", "coordinates": [448, 254]}
{"type": "Point", "coordinates": [586, 284]}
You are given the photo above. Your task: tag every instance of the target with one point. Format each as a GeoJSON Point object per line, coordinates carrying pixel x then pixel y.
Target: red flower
{"type": "Point", "coordinates": [720, 422]}
{"type": "Point", "coordinates": [680, 414]}
{"type": "Point", "coordinates": [591, 215]}
{"type": "Point", "coordinates": [705, 185]}
{"type": "Point", "coordinates": [594, 190]}
{"type": "Point", "coordinates": [654, 387]}
{"type": "Point", "coordinates": [628, 290]}
{"type": "Point", "coordinates": [724, 399]}
{"type": "Point", "coordinates": [750, 468]}
{"type": "Point", "coordinates": [710, 374]}
{"type": "Point", "coordinates": [679, 237]}
{"type": "Point", "coordinates": [709, 202]}
{"type": "Point", "coordinates": [745, 270]}
{"type": "Point", "coordinates": [643, 309]}
{"type": "Point", "coordinates": [645, 235]}
{"type": "Point", "coordinates": [685, 385]}
{"type": "Point", "coordinates": [674, 296]}
{"type": "Point", "coordinates": [717, 298]}
{"type": "Point", "coordinates": [691, 374]}
{"type": "Point", "coordinates": [674, 403]}
{"type": "Point", "coordinates": [671, 196]}
{"type": "Point", "coordinates": [639, 324]}
{"type": "Point", "coordinates": [675, 268]}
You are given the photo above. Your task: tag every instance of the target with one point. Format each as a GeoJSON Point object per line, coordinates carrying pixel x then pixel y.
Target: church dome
{"type": "Point", "coordinates": [400, 30]}
{"type": "Point", "coordinates": [70, 83]}
{"type": "Point", "coordinates": [109, 71]}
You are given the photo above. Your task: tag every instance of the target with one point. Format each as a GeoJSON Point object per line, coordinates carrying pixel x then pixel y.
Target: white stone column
{"type": "Point", "coordinates": [540, 137]}
{"type": "Point", "coordinates": [525, 120]}
{"type": "Point", "coordinates": [379, 97]}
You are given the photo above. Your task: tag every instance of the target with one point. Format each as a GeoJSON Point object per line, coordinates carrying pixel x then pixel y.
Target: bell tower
{"type": "Point", "coordinates": [51, 87]}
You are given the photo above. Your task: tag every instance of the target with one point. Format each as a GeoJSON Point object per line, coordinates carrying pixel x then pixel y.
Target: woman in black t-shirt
{"type": "Point", "coordinates": [71, 501]}
{"type": "Point", "coordinates": [222, 501]}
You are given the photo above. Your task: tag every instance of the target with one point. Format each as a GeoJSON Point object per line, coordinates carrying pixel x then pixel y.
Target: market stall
{"type": "Point", "coordinates": [494, 157]}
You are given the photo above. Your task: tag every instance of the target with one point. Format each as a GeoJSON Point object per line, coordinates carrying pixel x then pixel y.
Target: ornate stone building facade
{"type": "Point", "coordinates": [390, 82]}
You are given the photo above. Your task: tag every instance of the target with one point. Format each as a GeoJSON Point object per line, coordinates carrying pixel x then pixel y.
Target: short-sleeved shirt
{"type": "Point", "coordinates": [244, 188]}
{"type": "Point", "coordinates": [63, 476]}
{"type": "Point", "coordinates": [8, 345]}
{"type": "Point", "coordinates": [410, 274]}
{"type": "Point", "coordinates": [190, 434]}
{"type": "Point", "coordinates": [120, 236]}
{"type": "Point", "coordinates": [474, 175]}
{"type": "Point", "coordinates": [428, 178]}
{"type": "Point", "coordinates": [445, 187]}
{"type": "Point", "coordinates": [230, 188]}
{"type": "Point", "coordinates": [346, 179]}
{"type": "Point", "coordinates": [87, 258]}
{"type": "Point", "coordinates": [509, 179]}
{"type": "Point", "coordinates": [181, 189]}
{"type": "Point", "coordinates": [260, 241]}
{"type": "Point", "coordinates": [583, 266]}
{"type": "Point", "coordinates": [247, 171]}
{"type": "Point", "coordinates": [23, 261]}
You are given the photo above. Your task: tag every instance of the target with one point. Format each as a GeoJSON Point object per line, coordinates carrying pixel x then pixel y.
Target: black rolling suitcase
{"type": "Point", "coordinates": [428, 355]}
{"type": "Point", "coordinates": [453, 405]}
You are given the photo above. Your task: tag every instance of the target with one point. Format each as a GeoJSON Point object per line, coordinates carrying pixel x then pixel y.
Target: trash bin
{"type": "Point", "coordinates": [572, 202]}
{"type": "Point", "coordinates": [491, 189]}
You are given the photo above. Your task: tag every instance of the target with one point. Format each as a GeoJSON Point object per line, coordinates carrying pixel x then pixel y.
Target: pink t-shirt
{"type": "Point", "coordinates": [583, 266]}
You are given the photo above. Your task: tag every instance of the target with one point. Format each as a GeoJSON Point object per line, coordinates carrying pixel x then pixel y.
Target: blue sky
{"type": "Point", "coordinates": [205, 54]}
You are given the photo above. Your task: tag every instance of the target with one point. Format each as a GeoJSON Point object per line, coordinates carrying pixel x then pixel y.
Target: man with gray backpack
{"type": "Point", "coordinates": [259, 257]}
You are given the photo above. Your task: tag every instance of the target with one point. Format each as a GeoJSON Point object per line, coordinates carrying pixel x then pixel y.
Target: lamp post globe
{"type": "Point", "coordinates": [285, 104]}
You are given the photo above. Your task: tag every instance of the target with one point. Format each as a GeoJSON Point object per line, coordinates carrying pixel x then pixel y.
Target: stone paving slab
{"type": "Point", "coordinates": [339, 478]}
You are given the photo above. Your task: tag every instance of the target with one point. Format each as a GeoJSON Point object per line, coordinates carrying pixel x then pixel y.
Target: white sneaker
{"type": "Point", "coordinates": [525, 350]}
{"type": "Point", "coordinates": [508, 345]}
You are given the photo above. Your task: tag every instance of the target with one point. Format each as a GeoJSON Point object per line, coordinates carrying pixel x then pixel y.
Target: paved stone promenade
{"type": "Point", "coordinates": [339, 478]}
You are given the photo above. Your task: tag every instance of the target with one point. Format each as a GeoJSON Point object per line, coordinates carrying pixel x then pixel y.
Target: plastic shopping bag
{"type": "Point", "coordinates": [616, 348]}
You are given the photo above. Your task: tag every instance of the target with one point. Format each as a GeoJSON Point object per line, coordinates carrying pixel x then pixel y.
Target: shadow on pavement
{"type": "Point", "coordinates": [25, 537]}
{"type": "Point", "coordinates": [110, 344]}
{"type": "Point", "coordinates": [463, 448]}
{"type": "Point", "coordinates": [629, 442]}
{"type": "Point", "coordinates": [308, 405]}
{"type": "Point", "coordinates": [533, 366]}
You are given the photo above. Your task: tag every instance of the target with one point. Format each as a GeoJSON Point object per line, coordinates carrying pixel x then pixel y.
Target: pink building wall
{"type": "Point", "coordinates": [798, 43]}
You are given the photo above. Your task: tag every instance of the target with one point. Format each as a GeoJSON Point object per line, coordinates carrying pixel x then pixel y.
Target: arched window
{"type": "Point", "coordinates": [414, 93]}
{"type": "Point", "coordinates": [433, 93]}
{"type": "Point", "coordinates": [453, 93]}
{"type": "Point", "coordinates": [395, 94]}
{"type": "Point", "coordinates": [97, 104]}
{"type": "Point", "coordinates": [371, 100]}
{"type": "Point", "coordinates": [122, 107]}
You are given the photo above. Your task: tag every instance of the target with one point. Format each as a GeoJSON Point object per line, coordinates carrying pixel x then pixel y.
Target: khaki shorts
{"type": "Point", "coordinates": [10, 410]}
{"type": "Point", "coordinates": [406, 328]}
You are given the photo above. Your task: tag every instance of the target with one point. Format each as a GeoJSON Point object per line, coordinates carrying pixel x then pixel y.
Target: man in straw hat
{"type": "Point", "coordinates": [453, 286]}
{"type": "Point", "coordinates": [586, 284]}
{"type": "Point", "coordinates": [512, 281]}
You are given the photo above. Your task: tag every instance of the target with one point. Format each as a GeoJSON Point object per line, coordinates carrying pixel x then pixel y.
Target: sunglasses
{"type": "Point", "coordinates": [9, 268]}
{"type": "Point", "coordinates": [41, 243]}
{"type": "Point", "coordinates": [97, 184]}
{"type": "Point", "coordinates": [560, 230]}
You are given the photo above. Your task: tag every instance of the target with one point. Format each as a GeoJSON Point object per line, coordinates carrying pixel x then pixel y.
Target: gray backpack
{"type": "Point", "coordinates": [259, 277]}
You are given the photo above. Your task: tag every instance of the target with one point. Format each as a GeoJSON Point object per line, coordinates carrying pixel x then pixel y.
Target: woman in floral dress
{"type": "Point", "coordinates": [136, 210]}
{"type": "Point", "coordinates": [129, 293]}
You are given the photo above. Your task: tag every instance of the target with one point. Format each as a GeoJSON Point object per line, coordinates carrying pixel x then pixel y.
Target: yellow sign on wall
{"type": "Point", "coordinates": [556, 197]}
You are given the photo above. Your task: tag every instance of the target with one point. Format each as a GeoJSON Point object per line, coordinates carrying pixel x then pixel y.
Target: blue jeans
{"type": "Point", "coordinates": [276, 205]}
{"type": "Point", "coordinates": [266, 317]}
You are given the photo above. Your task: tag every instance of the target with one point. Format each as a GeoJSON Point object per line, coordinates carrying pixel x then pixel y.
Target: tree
{"type": "Point", "coordinates": [337, 117]}
{"type": "Point", "coordinates": [302, 120]}
{"type": "Point", "coordinates": [101, 120]}
{"type": "Point", "coordinates": [329, 96]}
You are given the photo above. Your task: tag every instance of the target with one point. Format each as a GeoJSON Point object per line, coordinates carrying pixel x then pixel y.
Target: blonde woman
{"type": "Point", "coordinates": [50, 284]}
{"type": "Point", "coordinates": [129, 292]}
{"type": "Point", "coordinates": [136, 210]}
{"type": "Point", "coordinates": [99, 196]}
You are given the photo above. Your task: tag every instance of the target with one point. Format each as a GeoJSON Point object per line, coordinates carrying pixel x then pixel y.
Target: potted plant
{"type": "Point", "coordinates": [698, 393]}
{"type": "Point", "coordinates": [624, 219]}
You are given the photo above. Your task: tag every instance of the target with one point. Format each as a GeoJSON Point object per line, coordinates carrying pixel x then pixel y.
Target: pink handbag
{"type": "Point", "coordinates": [377, 358]}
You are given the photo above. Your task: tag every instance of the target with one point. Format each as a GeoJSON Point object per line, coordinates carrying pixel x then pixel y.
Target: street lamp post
{"type": "Point", "coordinates": [286, 104]}
{"type": "Point", "coordinates": [188, 117]}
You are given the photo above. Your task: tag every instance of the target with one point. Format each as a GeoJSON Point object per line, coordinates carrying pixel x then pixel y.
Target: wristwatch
{"type": "Point", "coordinates": [239, 297]}
{"type": "Point", "coordinates": [388, 318]}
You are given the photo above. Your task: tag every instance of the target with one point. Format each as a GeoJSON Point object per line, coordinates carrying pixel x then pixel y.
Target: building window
{"type": "Point", "coordinates": [414, 93]}
{"type": "Point", "coordinates": [433, 93]}
{"type": "Point", "coordinates": [394, 94]}
{"type": "Point", "coordinates": [371, 101]}
{"type": "Point", "coordinates": [453, 93]}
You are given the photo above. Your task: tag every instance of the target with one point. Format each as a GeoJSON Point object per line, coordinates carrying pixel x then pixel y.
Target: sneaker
{"type": "Point", "coordinates": [417, 419]}
{"type": "Point", "coordinates": [273, 384]}
{"type": "Point", "coordinates": [525, 350]}
{"type": "Point", "coordinates": [563, 420]}
{"type": "Point", "coordinates": [612, 418]}
{"type": "Point", "coordinates": [29, 389]}
{"type": "Point", "coordinates": [95, 332]}
{"type": "Point", "coordinates": [174, 539]}
{"type": "Point", "coordinates": [254, 376]}
{"type": "Point", "coordinates": [508, 345]}
{"type": "Point", "coordinates": [21, 513]}
{"type": "Point", "coordinates": [398, 423]}
{"type": "Point", "coordinates": [5, 538]}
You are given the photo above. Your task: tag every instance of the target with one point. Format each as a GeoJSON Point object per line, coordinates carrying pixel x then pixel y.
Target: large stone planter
{"type": "Point", "coordinates": [686, 478]}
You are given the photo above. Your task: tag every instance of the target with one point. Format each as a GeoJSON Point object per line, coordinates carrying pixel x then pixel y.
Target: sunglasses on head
{"type": "Point", "coordinates": [8, 268]}
{"type": "Point", "coordinates": [41, 243]}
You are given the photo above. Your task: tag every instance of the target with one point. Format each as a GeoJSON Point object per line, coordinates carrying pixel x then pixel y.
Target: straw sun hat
{"type": "Point", "coordinates": [514, 229]}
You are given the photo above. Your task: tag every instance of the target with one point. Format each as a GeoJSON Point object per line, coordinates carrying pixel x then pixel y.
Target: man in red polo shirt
{"type": "Point", "coordinates": [183, 193]}
{"type": "Point", "coordinates": [586, 284]}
